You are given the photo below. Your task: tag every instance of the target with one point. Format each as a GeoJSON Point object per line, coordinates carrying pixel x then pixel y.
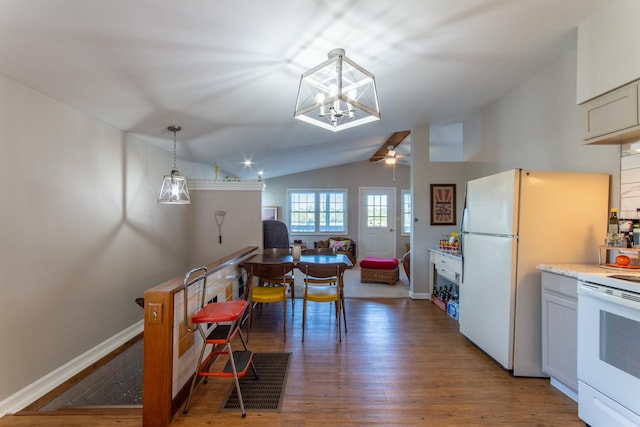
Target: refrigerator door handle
{"type": "Point", "coordinates": [461, 242]}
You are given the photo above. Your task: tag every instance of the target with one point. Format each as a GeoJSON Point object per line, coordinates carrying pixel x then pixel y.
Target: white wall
{"type": "Point", "coordinates": [537, 126]}
{"type": "Point", "coordinates": [446, 142]}
{"type": "Point", "coordinates": [81, 233]}
{"type": "Point", "coordinates": [424, 235]}
{"type": "Point", "coordinates": [241, 226]}
{"type": "Point", "coordinates": [607, 44]}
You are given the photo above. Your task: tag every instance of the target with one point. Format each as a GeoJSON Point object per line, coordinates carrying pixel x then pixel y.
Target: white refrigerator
{"type": "Point", "coordinates": [513, 221]}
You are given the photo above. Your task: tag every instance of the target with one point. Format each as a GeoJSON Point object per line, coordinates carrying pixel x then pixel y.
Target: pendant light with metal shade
{"type": "Point", "coordinates": [174, 189]}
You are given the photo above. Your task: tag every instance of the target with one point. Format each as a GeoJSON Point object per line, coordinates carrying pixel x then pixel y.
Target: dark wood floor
{"type": "Point", "coordinates": [403, 362]}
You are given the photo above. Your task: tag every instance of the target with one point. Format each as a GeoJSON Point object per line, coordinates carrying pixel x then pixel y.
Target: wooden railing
{"type": "Point", "coordinates": [170, 350]}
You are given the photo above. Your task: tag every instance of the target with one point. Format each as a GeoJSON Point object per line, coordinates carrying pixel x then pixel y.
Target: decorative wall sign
{"type": "Point", "coordinates": [443, 204]}
{"type": "Point", "coordinates": [269, 212]}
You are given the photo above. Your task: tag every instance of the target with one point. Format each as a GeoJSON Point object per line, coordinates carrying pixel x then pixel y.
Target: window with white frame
{"type": "Point", "coordinates": [317, 211]}
{"type": "Point", "coordinates": [406, 212]}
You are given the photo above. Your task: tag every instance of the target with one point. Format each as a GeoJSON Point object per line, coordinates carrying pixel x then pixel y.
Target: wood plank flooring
{"type": "Point", "coordinates": [402, 363]}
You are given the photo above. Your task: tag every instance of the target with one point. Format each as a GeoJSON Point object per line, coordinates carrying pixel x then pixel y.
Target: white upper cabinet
{"type": "Point", "coordinates": [612, 117]}
{"type": "Point", "coordinates": [608, 43]}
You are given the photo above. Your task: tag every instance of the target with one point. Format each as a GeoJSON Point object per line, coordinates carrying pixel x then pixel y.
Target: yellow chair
{"type": "Point", "coordinates": [265, 294]}
{"type": "Point", "coordinates": [320, 251]}
{"type": "Point", "coordinates": [289, 279]}
{"type": "Point", "coordinates": [318, 287]}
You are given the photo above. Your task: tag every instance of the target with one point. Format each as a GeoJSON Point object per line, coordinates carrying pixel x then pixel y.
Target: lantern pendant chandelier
{"type": "Point", "coordinates": [174, 189]}
{"type": "Point", "coordinates": [337, 94]}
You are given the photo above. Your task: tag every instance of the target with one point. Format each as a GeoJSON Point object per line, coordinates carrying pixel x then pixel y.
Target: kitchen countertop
{"type": "Point", "coordinates": [448, 253]}
{"type": "Point", "coordinates": [595, 274]}
{"type": "Point", "coordinates": [572, 270]}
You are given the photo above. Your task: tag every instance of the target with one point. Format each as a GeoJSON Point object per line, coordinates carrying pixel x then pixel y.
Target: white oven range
{"type": "Point", "coordinates": [609, 349]}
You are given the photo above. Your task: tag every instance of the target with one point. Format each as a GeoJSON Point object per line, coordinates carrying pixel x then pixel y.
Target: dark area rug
{"type": "Point", "coordinates": [267, 392]}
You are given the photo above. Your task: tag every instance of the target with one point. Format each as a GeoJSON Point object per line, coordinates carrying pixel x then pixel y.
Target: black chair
{"type": "Point", "coordinates": [275, 234]}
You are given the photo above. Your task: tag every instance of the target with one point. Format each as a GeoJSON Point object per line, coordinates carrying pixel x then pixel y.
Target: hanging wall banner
{"type": "Point", "coordinates": [443, 204]}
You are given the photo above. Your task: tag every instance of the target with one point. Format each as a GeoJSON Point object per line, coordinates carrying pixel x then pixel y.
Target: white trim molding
{"type": "Point", "coordinates": [44, 385]}
{"type": "Point", "coordinates": [209, 184]}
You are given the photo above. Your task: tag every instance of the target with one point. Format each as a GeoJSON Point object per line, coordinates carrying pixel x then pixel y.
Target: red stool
{"type": "Point", "coordinates": [222, 321]}
{"type": "Point", "coordinates": [383, 270]}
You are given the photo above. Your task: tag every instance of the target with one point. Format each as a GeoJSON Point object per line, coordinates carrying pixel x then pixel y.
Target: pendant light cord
{"type": "Point", "coordinates": [174, 151]}
{"type": "Point", "coordinates": [175, 129]}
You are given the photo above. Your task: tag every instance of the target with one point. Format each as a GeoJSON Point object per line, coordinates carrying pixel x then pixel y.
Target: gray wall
{"type": "Point", "coordinates": [81, 233]}
{"type": "Point", "coordinates": [352, 177]}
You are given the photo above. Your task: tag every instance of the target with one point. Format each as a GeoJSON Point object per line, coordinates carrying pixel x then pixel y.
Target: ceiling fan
{"type": "Point", "coordinates": [387, 151]}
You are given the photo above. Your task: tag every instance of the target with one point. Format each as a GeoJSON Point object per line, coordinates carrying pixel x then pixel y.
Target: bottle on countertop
{"type": "Point", "coordinates": [614, 222]}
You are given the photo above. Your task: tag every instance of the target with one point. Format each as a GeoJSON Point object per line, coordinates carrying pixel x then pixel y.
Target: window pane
{"type": "Point", "coordinates": [302, 207]}
{"type": "Point", "coordinates": [406, 212]}
{"type": "Point", "coordinates": [331, 212]}
{"type": "Point", "coordinates": [315, 211]}
{"type": "Point", "coordinates": [377, 211]}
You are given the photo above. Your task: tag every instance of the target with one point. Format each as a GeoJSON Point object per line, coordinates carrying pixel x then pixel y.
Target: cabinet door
{"type": "Point", "coordinates": [560, 337]}
{"type": "Point", "coordinates": [611, 112]}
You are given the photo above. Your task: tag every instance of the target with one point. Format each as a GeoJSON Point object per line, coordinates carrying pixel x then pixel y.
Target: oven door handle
{"type": "Point", "coordinates": [614, 299]}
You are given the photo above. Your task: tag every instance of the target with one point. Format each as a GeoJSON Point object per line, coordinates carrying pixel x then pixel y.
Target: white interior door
{"type": "Point", "coordinates": [377, 235]}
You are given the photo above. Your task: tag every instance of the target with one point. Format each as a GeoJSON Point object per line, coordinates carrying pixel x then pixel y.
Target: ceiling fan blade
{"type": "Point", "coordinates": [394, 140]}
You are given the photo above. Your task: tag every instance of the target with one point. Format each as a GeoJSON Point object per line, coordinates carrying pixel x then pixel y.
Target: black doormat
{"type": "Point", "coordinates": [267, 392]}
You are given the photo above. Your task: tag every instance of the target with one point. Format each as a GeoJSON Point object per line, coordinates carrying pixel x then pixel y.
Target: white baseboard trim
{"type": "Point", "coordinates": [419, 295]}
{"type": "Point", "coordinates": [23, 398]}
{"type": "Point", "coordinates": [563, 388]}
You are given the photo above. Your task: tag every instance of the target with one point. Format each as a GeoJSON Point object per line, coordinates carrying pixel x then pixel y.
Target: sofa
{"type": "Point", "coordinates": [342, 245]}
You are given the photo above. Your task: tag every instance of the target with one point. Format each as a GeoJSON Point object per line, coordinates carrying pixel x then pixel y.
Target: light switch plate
{"type": "Point", "coordinates": [154, 313]}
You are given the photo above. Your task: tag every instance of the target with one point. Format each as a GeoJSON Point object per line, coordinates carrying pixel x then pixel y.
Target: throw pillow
{"type": "Point", "coordinates": [336, 245]}
{"type": "Point", "coordinates": [340, 245]}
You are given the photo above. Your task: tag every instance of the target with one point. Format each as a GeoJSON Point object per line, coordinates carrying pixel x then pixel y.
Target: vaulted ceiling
{"type": "Point", "coordinates": [228, 72]}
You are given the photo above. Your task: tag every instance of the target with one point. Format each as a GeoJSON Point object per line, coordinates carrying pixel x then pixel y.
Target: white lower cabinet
{"type": "Point", "coordinates": [444, 265]}
{"type": "Point", "coordinates": [560, 331]}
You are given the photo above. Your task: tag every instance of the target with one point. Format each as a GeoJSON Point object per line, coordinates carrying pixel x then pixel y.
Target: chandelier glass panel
{"type": "Point", "coordinates": [337, 94]}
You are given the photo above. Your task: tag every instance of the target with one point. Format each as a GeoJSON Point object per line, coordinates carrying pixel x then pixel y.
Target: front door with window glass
{"type": "Point", "coordinates": [377, 236]}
